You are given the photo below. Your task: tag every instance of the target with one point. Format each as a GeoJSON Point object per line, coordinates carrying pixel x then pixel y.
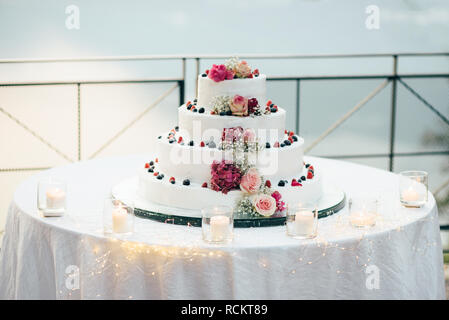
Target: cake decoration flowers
{"type": "Point", "coordinates": [239, 106]}
{"type": "Point", "coordinates": [264, 204]}
{"type": "Point", "coordinates": [251, 181]}
{"type": "Point", "coordinates": [232, 69]}
{"type": "Point", "coordinates": [226, 176]}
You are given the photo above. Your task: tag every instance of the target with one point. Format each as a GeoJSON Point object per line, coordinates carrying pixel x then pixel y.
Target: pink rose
{"type": "Point", "coordinates": [249, 135]}
{"type": "Point", "coordinates": [218, 72]}
{"type": "Point", "coordinates": [239, 106]}
{"type": "Point", "coordinates": [242, 70]}
{"type": "Point", "coordinates": [251, 181]}
{"type": "Point", "coordinates": [265, 205]}
{"type": "Point", "coordinates": [231, 135]}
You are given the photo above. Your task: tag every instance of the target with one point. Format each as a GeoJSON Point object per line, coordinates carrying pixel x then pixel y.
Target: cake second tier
{"type": "Point", "coordinates": [203, 126]}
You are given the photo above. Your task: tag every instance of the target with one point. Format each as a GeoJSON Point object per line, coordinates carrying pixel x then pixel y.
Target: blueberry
{"type": "Point", "coordinates": [281, 183]}
{"type": "Point", "coordinates": [272, 105]}
{"type": "Point", "coordinates": [307, 165]}
{"type": "Point", "coordinates": [256, 75]}
{"type": "Point", "coordinates": [287, 142]}
{"type": "Point", "coordinates": [172, 181]}
{"type": "Point", "coordinates": [222, 113]}
{"type": "Point", "coordinates": [295, 138]}
{"type": "Point", "coordinates": [159, 137]}
{"type": "Point", "coordinates": [160, 177]}
{"type": "Point", "coordinates": [151, 163]}
{"type": "Point", "coordinates": [229, 113]}
{"type": "Point", "coordinates": [191, 143]}
{"type": "Point", "coordinates": [201, 110]}
{"type": "Point", "coordinates": [273, 110]}
{"type": "Point", "coordinates": [303, 178]}
{"type": "Point", "coordinates": [186, 182]}
{"type": "Point", "coordinates": [150, 170]}
{"type": "Point", "coordinates": [171, 140]}
{"type": "Point", "coordinates": [177, 128]}
{"type": "Point", "coordinates": [267, 145]}
{"type": "Point", "coordinates": [204, 75]}
{"type": "Point", "coordinates": [195, 110]}
{"type": "Point", "coordinates": [195, 100]}
{"type": "Point", "coordinates": [189, 107]}
{"type": "Point", "coordinates": [282, 145]}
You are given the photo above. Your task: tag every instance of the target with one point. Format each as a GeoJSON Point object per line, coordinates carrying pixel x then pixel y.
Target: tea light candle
{"type": "Point", "coordinates": [304, 222]}
{"type": "Point", "coordinates": [55, 198]}
{"type": "Point", "coordinates": [363, 219]}
{"type": "Point", "coordinates": [410, 195]}
{"type": "Point", "coordinates": [219, 227]}
{"type": "Point", "coordinates": [120, 220]}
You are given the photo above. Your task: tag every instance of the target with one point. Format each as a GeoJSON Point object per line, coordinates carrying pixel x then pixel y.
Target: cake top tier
{"type": "Point", "coordinates": [234, 77]}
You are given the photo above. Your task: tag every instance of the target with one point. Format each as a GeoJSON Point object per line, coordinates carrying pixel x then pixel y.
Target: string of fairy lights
{"type": "Point", "coordinates": [119, 257]}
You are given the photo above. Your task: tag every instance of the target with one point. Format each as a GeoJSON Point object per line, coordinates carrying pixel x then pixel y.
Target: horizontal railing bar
{"type": "Point", "coordinates": [358, 77]}
{"type": "Point", "coordinates": [23, 169]}
{"type": "Point", "coordinates": [220, 56]}
{"type": "Point", "coordinates": [124, 81]}
{"type": "Point", "coordinates": [386, 155]}
{"type": "Point", "coordinates": [273, 78]}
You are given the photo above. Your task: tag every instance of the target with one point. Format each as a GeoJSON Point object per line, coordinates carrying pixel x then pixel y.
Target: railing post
{"type": "Point", "coordinates": [393, 112]}
{"type": "Point", "coordinates": [182, 83]}
{"type": "Point", "coordinates": [79, 120]}
{"type": "Point", "coordinates": [298, 106]}
{"type": "Point", "coordinates": [197, 74]}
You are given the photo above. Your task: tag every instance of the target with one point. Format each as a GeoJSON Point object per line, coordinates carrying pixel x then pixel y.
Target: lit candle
{"type": "Point", "coordinates": [410, 195]}
{"type": "Point", "coordinates": [363, 219]}
{"type": "Point", "coordinates": [55, 198]}
{"type": "Point", "coordinates": [120, 220]}
{"type": "Point", "coordinates": [219, 228]}
{"type": "Point", "coordinates": [304, 222]}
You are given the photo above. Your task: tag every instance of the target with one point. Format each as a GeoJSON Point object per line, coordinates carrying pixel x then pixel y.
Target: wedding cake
{"type": "Point", "coordinates": [230, 148]}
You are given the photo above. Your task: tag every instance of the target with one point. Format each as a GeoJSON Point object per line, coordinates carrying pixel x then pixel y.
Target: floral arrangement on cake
{"type": "Point", "coordinates": [258, 199]}
{"type": "Point", "coordinates": [231, 69]}
{"type": "Point", "coordinates": [235, 106]}
{"type": "Point", "coordinates": [239, 140]}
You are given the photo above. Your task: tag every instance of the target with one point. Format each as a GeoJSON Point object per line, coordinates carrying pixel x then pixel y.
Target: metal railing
{"type": "Point", "coordinates": [179, 83]}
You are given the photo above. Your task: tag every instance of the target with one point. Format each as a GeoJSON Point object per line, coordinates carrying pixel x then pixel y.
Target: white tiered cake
{"type": "Point", "coordinates": [230, 148]}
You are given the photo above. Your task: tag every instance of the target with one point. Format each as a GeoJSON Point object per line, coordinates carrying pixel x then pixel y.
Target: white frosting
{"type": "Point", "coordinates": [202, 126]}
{"type": "Point", "coordinates": [195, 197]}
{"type": "Point", "coordinates": [194, 162]}
{"type": "Point", "coordinates": [248, 88]}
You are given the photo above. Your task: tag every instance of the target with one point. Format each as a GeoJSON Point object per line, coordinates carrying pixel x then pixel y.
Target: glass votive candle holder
{"type": "Point", "coordinates": [302, 222]}
{"type": "Point", "coordinates": [363, 212]}
{"type": "Point", "coordinates": [217, 224]}
{"type": "Point", "coordinates": [52, 197]}
{"type": "Point", "coordinates": [413, 187]}
{"type": "Point", "coordinates": [118, 217]}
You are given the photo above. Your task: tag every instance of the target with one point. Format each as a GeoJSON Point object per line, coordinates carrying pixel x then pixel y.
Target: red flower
{"type": "Point", "coordinates": [226, 176]}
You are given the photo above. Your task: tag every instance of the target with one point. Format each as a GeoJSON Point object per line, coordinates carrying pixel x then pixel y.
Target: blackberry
{"type": "Point", "coordinates": [295, 138]}
{"type": "Point", "coordinates": [186, 182]}
{"type": "Point", "coordinates": [267, 145]}
{"type": "Point", "coordinates": [303, 178]}
{"type": "Point", "coordinates": [201, 110]}
{"type": "Point", "coordinates": [204, 75]}
{"type": "Point", "coordinates": [281, 183]}
{"type": "Point", "coordinates": [191, 143]}
{"type": "Point", "coordinates": [287, 142]}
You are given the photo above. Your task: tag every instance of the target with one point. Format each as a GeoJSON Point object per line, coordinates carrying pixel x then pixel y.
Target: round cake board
{"type": "Point", "coordinates": [332, 201]}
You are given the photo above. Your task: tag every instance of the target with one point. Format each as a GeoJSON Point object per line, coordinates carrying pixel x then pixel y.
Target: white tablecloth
{"type": "Point", "coordinates": [70, 258]}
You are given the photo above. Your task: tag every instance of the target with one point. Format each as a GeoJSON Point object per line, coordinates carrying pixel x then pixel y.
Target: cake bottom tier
{"type": "Point", "coordinates": [196, 197]}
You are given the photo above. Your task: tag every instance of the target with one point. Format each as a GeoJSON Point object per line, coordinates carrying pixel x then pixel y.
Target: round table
{"type": "Point", "coordinates": [70, 257]}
